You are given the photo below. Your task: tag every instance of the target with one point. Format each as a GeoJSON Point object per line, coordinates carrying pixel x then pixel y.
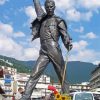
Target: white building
{"type": "Point", "coordinates": [84, 86]}
{"type": "Point", "coordinates": [13, 80]}
{"type": "Point", "coordinates": [8, 79]}
{"type": "Point", "coordinates": [41, 88]}
{"type": "Point", "coordinates": [95, 79]}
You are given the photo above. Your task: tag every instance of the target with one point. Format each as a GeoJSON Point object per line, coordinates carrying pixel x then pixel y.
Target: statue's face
{"type": "Point", "coordinates": [50, 7]}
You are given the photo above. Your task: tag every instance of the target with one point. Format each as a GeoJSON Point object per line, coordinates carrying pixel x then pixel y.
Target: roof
{"type": "Point", "coordinates": [81, 92]}
{"type": "Point", "coordinates": [95, 69]}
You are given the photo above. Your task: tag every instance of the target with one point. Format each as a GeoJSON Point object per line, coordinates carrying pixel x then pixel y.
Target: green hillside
{"type": "Point", "coordinates": [77, 71]}
{"type": "Point", "coordinates": [19, 65]}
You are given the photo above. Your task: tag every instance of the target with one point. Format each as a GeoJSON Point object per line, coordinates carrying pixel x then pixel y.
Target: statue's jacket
{"type": "Point", "coordinates": [56, 25]}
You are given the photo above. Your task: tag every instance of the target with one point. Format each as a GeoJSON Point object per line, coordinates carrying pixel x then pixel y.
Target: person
{"type": "Point", "coordinates": [18, 95]}
{"type": "Point", "coordinates": [49, 28]}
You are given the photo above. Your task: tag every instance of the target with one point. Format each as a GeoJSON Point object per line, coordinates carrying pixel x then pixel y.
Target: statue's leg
{"type": "Point", "coordinates": [59, 64]}
{"type": "Point", "coordinates": [60, 70]}
{"type": "Point", "coordinates": [35, 75]}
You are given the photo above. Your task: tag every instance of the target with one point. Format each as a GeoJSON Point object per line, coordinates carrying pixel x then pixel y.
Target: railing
{"type": "Point", "coordinates": [9, 97]}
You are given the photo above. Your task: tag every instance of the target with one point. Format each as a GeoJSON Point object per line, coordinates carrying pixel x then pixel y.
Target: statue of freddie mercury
{"type": "Point", "coordinates": [48, 27]}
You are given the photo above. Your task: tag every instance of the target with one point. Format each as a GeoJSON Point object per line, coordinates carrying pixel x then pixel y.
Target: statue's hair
{"type": "Point", "coordinates": [47, 1]}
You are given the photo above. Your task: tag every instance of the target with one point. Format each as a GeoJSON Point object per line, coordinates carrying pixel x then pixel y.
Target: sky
{"type": "Point", "coordinates": [82, 18]}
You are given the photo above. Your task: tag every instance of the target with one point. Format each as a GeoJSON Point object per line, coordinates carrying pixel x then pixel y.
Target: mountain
{"type": "Point", "coordinates": [21, 66]}
{"type": "Point", "coordinates": [77, 71]}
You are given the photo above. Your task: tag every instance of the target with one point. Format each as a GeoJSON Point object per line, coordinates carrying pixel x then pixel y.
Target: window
{"type": "Point", "coordinates": [96, 96]}
{"type": "Point", "coordinates": [83, 96]}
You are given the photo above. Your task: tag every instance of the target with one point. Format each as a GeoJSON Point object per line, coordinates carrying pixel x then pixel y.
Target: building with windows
{"type": "Point", "coordinates": [11, 80]}
{"type": "Point", "coordinates": [95, 79]}
{"type": "Point", "coordinates": [84, 86]}
{"type": "Point", "coordinates": [41, 88]}
{"type": "Point", "coordinates": [8, 79]}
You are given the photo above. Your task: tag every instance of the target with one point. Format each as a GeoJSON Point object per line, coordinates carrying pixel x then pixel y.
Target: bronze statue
{"type": "Point", "coordinates": [48, 27]}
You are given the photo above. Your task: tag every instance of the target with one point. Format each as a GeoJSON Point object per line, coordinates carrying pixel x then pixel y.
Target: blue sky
{"type": "Point", "coordinates": [81, 16]}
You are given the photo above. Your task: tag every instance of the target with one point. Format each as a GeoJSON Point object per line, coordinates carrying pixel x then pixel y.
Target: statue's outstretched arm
{"type": "Point", "coordinates": [39, 11]}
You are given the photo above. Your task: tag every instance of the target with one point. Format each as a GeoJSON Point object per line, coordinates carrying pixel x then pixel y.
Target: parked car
{"type": "Point", "coordinates": [96, 95]}
{"type": "Point", "coordinates": [83, 96]}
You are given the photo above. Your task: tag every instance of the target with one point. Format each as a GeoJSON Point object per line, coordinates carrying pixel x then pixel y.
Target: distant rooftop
{"type": "Point", "coordinates": [98, 67]}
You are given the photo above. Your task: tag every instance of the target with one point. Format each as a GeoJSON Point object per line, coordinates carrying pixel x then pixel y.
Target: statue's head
{"type": "Point", "coordinates": [50, 7]}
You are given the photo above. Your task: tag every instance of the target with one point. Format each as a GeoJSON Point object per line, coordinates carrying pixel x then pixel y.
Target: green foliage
{"type": "Point", "coordinates": [2, 63]}
{"type": "Point", "coordinates": [19, 65]}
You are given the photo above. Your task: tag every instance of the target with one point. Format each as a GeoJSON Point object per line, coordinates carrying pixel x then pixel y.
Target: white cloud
{"type": "Point", "coordinates": [30, 53]}
{"type": "Point", "coordinates": [77, 46]}
{"type": "Point", "coordinates": [10, 47]}
{"type": "Point", "coordinates": [80, 30]}
{"type": "Point", "coordinates": [64, 4]}
{"type": "Point", "coordinates": [19, 34]}
{"type": "Point", "coordinates": [6, 17]}
{"type": "Point", "coordinates": [74, 15]}
{"type": "Point", "coordinates": [81, 45]}
{"type": "Point", "coordinates": [96, 62]}
{"type": "Point", "coordinates": [85, 55]}
{"type": "Point", "coordinates": [86, 16]}
{"type": "Point", "coordinates": [89, 35]}
{"type": "Point", "coordinates": [6, 29]}
{"type": "Point", "coordinates": [67, 7]}
{"type": "Point", "coordinates": [68, 4]}
{"type": "Point", "coordinates": [89, 4]}
{"type": "Point", "coordinates": [80, 52]}
{"type": "Point", "coordinates": [3, 2]}
{"type": "Point", "coordinates": [30, 12]}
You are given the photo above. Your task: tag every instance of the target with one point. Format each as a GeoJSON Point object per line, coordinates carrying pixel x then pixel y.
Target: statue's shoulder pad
{"type": "Point", "coordinates": [61, 22]}
{"type": "Point", "coordinates": [35, 21]}
{"type": "Point", "coordinates": [59, 18]}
